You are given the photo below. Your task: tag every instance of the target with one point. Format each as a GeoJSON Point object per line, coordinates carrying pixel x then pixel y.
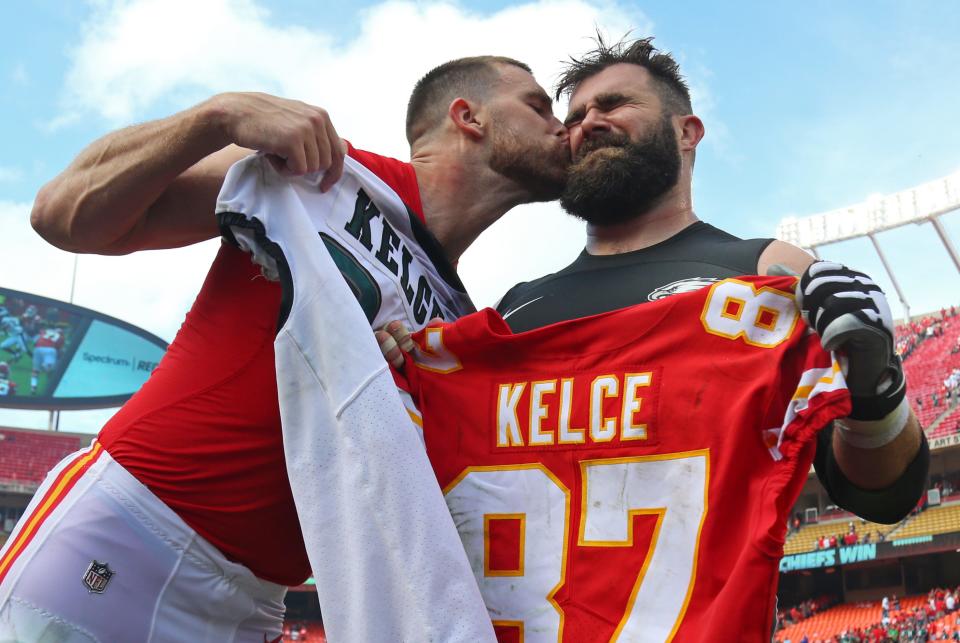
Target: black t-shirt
{"type": "Point", "coordinates": [695, 257]}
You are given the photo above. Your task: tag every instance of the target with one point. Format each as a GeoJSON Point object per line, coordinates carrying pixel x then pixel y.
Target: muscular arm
{"type": "Point", "coordinates": [868, 469]}
{"type": "Point", "coordinates": [155, 185]}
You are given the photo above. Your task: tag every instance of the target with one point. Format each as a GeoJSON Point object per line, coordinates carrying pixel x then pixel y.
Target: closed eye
{"type": "Point", "coordinates": [609, 101]}
{"type": "Point", "coordinates": [540, 103]}
{"type": "Point", "coordinates": [540, 109]}
{"type": "Point", "coordinates": [574, 118]}
{"type": "Point", "coordinates": [606, 102]}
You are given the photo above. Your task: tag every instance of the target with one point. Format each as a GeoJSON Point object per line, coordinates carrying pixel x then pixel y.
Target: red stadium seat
{"type": "Point", "coordinates": [843, 617]}
{"type": "Point", "coordinates": [926, 367]}
{"type": "Point", "coordinates": [26, 456]}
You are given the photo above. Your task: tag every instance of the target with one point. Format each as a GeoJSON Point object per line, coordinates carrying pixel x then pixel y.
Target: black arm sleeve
{"type": "Point", "coordinates": [887, 506]}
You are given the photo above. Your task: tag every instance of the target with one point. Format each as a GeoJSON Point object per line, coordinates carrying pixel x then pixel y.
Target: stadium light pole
{"type": "Point", "coordinates": [54, 423]}
{"type": "Point", "coordinates": [893, 278]}
{"type": "Point", "coordinates": [73, 280]}
{"type": "Point", "coordinates": [945, 238]}
{"type": "Point", "coordinates": [926, 202]}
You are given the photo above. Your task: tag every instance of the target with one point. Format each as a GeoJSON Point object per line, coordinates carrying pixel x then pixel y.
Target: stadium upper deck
{"type": "Point", "coordinates": [26, 455]}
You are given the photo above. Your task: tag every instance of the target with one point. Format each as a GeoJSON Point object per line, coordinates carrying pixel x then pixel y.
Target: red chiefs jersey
{"type": "Point", "coordinates": [50, 337]}
{"type": "Point", "coordinates": [203, 433]}
{"type": "Point", "coordinates": [628, 476]}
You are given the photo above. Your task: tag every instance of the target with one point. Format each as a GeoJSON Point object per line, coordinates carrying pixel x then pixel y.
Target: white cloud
{"type": "Point", "coordinates": [148, 289]}
{"type": "Point", "coordinates": [134, 54]}
{"type": "Point", "coordinates": [125, 65]}
{"type": "Point", "coordinates": [33, 265]}
{"type": "Point", "coordinates": [126, 62]}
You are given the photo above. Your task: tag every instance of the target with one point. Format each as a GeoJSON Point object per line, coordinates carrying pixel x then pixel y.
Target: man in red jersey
{"type": "Point", "coordinates": [190, 474]}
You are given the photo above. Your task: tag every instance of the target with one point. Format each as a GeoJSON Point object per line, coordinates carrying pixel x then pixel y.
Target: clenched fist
{"type": "Point", "coordinates": [299, 138]}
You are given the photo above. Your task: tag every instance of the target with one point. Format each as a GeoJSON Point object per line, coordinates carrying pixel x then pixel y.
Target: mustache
{"type": "Point", "coordinates": [600, 141]}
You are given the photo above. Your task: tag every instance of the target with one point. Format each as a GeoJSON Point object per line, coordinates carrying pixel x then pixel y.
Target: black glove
{"type": "Point", "coordinates": [850, 312]}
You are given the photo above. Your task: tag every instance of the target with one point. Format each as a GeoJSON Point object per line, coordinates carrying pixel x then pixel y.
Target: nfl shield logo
{"type": "Point", "coordinates": [97, 576]}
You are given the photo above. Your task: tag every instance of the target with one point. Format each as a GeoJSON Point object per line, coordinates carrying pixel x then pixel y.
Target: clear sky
{"type": "Point", "coordinates": [808, 107]}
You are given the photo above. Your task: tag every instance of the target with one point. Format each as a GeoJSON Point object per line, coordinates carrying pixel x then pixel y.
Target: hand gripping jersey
{"type": "Point", "coordinates": [383, 548]}
{"type": "Point", "coordinates": [628, 476]}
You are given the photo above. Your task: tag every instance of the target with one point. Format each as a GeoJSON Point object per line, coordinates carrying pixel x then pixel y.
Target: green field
{"type": "Point", "coordinates": [20, 372]}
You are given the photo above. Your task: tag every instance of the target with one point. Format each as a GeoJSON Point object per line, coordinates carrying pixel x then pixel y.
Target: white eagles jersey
{"type": "Point", "coordinates": [384, 550]}
{"type": "Point", "coordinates": [395, 268]}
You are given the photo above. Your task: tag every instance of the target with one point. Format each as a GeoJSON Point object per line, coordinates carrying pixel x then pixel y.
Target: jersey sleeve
{"type": "Point", "coordinates": [811, 393]}
{"type": "Point", "coordinates": [407, 390]}
{"type": "Point", "coordinates": [242, 205]}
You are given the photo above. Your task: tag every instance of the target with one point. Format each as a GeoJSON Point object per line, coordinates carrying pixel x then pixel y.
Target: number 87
{"type": "Point", "coordinates": [673, 486]}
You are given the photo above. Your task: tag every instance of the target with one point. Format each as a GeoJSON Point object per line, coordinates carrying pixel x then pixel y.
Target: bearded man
{"type": "Point", "coordinates": [633, 136]}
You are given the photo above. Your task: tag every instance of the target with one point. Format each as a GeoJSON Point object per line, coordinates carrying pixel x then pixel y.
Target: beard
{"type": "Point", "coordinates": [540, 168]}
{"type": "Point", "coordinates": [613, 179]}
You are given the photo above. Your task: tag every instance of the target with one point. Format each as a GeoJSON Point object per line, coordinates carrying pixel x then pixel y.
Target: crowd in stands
{"type": "Point", "coordinates": [947, 395]}
{"type": "Point", "coordinates": [829, 541]}
{"type": "Point", "coordinates": [947, 486]}
{"type": "Point", "coordinates": [922, 623]}
{"type": "Point", "coordinates": [932, 619]}
{"type": "Point", "coordinates": [806, 609]}
{"type": "Point", "coordinates": [911, 335]}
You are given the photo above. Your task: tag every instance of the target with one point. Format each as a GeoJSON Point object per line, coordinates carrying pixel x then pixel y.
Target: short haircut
{"type": "Point", "coordinates": [671, 87]}
{"type": "Point", "coordinates": [470, 78]}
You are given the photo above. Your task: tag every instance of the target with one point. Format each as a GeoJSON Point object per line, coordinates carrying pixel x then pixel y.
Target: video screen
{"type": "Point", "coordinates": [59, 356]}
{"type": "Point", "coordinates": [33, 340]}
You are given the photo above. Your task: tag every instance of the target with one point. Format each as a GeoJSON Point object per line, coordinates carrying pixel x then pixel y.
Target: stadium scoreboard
{"type": "Point", "coordinates": [58, 356]}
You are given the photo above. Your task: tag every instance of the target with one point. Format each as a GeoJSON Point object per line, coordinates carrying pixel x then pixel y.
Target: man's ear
{"type": "Point", "coordinates": [463, 115]}
{"type": "Point", "coordinates": [691, 132]}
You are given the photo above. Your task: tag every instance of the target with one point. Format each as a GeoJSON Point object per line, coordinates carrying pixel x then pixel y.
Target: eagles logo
{"type": "Point", "coordinates": [683, 285]}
